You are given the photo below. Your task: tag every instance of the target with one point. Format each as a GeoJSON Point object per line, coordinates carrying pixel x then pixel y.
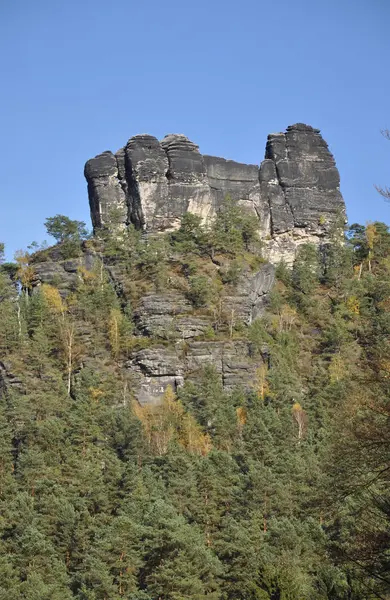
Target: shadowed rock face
{"type": "Point", "coordinates": [295, 193]}
{"type": "Point", "coordinates": [105, 192]}
{"type": "Point", "coordinates": [306, 173]}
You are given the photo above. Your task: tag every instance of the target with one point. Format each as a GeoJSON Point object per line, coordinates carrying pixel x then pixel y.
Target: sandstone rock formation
{"type": "Point", "coordinates": [63, 274]}
{"type": "Point", "coordinates": [295, 196]}
{"type": "Point", "coordinates": [180, 346]}
{"type": "Point", "coordinates": [295, 192]}
{"type": "Point", "coordinates": [153, 369]}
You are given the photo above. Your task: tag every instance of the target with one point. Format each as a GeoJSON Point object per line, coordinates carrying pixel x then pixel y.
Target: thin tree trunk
{"type": "Point", "coordinates": [70, 335]}
{"type": "Point", "coordinates": [19, 320]}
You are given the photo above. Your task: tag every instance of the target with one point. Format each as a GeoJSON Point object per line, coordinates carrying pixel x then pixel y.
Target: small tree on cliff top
{"type": "Point", "coordinates": [63, 229]}
{"type": "Point", "coordinates": [234, 229]}
{"type": "Point", "coordinates": [68, 233]}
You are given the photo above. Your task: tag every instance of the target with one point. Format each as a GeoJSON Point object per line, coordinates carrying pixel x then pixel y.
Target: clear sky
{"type": "Point", "coordinates": [82, 76]}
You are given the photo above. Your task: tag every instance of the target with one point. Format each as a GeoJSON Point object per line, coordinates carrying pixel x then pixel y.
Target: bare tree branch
{"type": "Point", "coordinates": [384, 191]}
{"type": "Point", "coordinates": [386, 133]}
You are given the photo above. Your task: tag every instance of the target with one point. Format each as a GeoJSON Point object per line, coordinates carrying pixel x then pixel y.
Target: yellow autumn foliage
{"type": "Point", "coordinates": [53, 299]}
{"type": "Point", "coordinates": [261, 383]}
{"type": "Point", "coordinates": [300, 417]}
{"type": "Point", "coordinates": [296, 407]}
{"type": "Point", "coordinates": [168, 421]}
{"type": "Point", "coordinates": [241, 413]}
{"type": "Point", "coordinates": [337, 368]}
{"type": "Point", "coordinates": [25, 272]}
{"type": "Point", "coordinates": [385, 367]}
{"type": "Point", "coordinates": [353, 305]}
{"type": "Point", "coordinates": [114, 331]}
{"type": "Point", "coordinates": [95, 393]}
{"type": "Point", "coordinates": [371, 235]}
{"type": "Point", "coordinates": [86, 275]}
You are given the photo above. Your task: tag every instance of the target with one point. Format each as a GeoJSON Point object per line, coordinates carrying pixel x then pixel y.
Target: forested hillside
{"type": "Point", "coordinates": [277, 489]}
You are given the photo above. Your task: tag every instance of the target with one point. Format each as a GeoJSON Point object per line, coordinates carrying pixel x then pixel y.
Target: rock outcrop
{"type": "Point", "coordinates": [180, 339]}
{"type": "Point", "coordinates": [151, 370]}
{"type": "Point", "coordinates": [63, 274]}
{"type": "Point", "coordinates": [300, 179]}
{"type": "Point", "coordinates": [294, 193]}
{"type": "Point", "coordinates": [295, 196]}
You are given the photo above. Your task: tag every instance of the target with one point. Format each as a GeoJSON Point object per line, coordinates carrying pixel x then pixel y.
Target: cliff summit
{"type": "Point", "coordinates": [294, 193]}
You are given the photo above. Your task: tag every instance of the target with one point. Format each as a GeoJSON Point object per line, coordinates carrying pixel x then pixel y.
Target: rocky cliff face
{"type": "Point", "coordinates": [180, 340]}
{"type": "Point", "coordinates": [294, 193]}
{"type": "Point", "coordinates": [150, 184]}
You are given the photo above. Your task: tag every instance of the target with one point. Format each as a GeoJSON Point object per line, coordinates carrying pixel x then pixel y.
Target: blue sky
{"type": "Point", "coordinates": [82, 76]}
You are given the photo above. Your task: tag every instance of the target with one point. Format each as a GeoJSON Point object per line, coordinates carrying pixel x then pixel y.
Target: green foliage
{"type": "Point", "coordinates": [200, 290]}
{"type": "Point", "coordinates": [191, 236]}
{"type": "Point", "coordinates": [307, 269]}
{"type": "Point", "coordinates": [10, 324]}
{"type": "Point", "coordinates": [63, 229]}
{"type": "Point", "coordinates": [283, 273]}
{"type": "Point", "coordinates": [279, 491]}
{"type": "Point", "coordinates": [234, 229]}
{"type": "Point", "coordinates": [152, 256]}
{"type": "Point", "coordinates": [68, 233]}
{"type": "Point", "coordinates": [10, 268]}
{"type": "Point", "coordinates": [231, 275]}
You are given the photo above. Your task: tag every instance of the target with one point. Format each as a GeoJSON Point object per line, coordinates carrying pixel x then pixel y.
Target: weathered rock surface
{"type": "Point", "coordinates": [152, 370]}
{"type": "Point", "coordinates": [188, 185]}
{"type": "Point", "coordinates": [146, 167]}
{"type": "Point", "coordinates": [249, 297]}
{"type": "Point", "coordinates": [232, 360]}
{"type": "Point", "coordinates": [106, 194]}
{"type": "Point", "coordinates": [301, 181]}
{"type": "Point", "coordinates": [295, 193]}
{"type": "Point", "coordinates": [240, 182]}
{"type": "Point", "coordinates": [63, 274]}
{"type": "Point", "coordinates": [168, 316]}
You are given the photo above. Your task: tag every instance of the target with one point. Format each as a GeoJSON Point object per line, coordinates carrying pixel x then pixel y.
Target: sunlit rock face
{"type": "Point", "coordinates": [300, 180]}
{"type": "Point", "coordinates": [294, 194]}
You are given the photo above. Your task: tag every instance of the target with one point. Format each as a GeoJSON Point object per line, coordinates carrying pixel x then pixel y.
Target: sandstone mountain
{"type": "Point", "coordinates": [294, 193]}
{"type": "Point", "coordinates": [294, 198]}
{"type": "Point", "coordinates": [182, 416]}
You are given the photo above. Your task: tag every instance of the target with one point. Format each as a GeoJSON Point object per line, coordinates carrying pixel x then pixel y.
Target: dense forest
{"type": "Point", "coordinates": [280, 491]}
